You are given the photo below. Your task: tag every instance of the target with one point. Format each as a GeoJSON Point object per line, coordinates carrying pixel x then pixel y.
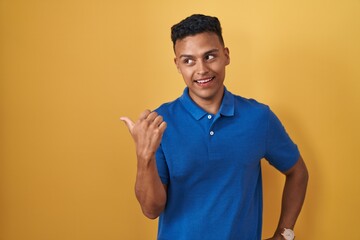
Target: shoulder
{"type": "Point", "coordinates": [168, 108]}
{"type": "Point", "coordinates": [249, 105]}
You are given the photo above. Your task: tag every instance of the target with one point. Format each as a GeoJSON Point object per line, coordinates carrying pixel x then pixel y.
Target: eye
{"type": "Point", "coordinates": [210, 57]}
{"type": "Point", "coordinates": [188, 61]}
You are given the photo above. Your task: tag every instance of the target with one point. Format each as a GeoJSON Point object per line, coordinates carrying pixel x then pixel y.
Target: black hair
{"type": "Point", "coordinates": [195, 24]}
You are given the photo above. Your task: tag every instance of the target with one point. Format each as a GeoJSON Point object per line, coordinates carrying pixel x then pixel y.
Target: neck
{"type": "Point", "coordinates": [210, 105]}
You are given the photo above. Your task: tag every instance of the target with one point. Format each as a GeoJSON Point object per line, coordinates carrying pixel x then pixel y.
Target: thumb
{"type": "Point", "coordinates": [129, 123]}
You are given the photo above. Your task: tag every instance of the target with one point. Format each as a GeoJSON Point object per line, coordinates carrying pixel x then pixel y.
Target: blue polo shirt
{"type": "Point", "coordinates": [211, 166]}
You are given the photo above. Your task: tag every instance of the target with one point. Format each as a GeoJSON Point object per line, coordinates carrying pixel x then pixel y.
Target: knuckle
{"type": "Point", "coordinates": [160, 118]}
{"type": "Point", "coordinates": [153, 114]}
{"type": "Point", "coordinates": [156, 132]}
{"type": "Point", "coordinates": [144, 122]}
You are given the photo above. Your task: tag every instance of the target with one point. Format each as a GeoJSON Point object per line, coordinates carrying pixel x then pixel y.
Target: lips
{"type": "Point", "coordinates": [204, 80]}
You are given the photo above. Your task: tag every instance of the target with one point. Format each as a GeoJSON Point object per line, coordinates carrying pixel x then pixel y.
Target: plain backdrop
{"type": "Point", "coordinates": [70, 69]}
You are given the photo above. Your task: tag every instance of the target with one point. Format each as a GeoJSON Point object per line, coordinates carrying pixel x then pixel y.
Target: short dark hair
{"type": "Point", "coordinates": [195, 24]}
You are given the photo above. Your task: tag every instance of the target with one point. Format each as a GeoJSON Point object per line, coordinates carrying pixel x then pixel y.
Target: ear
{"type": "Point", "coordinates": [227, 55]}
{"type": "Point", "coordinates": [177, 64]}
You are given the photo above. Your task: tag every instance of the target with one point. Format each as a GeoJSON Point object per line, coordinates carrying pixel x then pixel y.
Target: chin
{"type": "Point", "coordinates": [206, 95]}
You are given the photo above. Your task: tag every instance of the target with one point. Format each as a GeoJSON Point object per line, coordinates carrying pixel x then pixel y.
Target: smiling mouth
{"type": "Point", "coordinates": [204, 80]}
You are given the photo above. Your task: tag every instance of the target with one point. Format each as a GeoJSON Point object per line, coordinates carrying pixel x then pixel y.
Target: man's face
{"type": "Point", "coordinates": [201, 59]}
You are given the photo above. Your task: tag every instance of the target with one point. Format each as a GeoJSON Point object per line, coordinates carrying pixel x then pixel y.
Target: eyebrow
{"type": "Point", "coordinates": [206, 53]}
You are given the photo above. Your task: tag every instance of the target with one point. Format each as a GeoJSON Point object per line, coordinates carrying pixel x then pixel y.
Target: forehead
{"type": "Point", "coordinates": [197, 44]}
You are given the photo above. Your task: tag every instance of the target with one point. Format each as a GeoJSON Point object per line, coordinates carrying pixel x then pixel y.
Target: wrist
{"type": "Point", "coordinates": [143, 160]}
{"type": "Point", "coordinates": [277, 236]}
{"type": "Point", "coordinates": [284, 234]}
{"type": "Point", "coordinates": [288, 234]}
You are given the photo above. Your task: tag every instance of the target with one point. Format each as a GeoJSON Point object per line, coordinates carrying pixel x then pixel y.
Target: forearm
{"type": "Point", "coordinates": [293, 197]}
{"type": "Point", "coordinates": [147, 133]}
{"type": "Point", "coordinates": [149, 189]}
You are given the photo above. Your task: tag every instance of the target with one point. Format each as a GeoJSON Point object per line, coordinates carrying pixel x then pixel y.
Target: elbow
{"type": "Point", "coordinates": [152, 204]}
{"type": "Point", "coordinates": [152, 214]}
{"type": "Point", "coordinates": [153, 210]}
{"type": "Point", "coordinates": [305, 175]}
{"type": "Point", "coordinates": [306, 178]}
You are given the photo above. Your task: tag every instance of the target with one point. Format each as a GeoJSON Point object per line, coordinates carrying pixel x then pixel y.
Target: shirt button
{"type": "Point", "coordinates": [209, 116]}
{"type": "Point", "coordinates": [211, 133]}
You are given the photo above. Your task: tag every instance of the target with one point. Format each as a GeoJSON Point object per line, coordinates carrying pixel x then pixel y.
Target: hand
{"type": "Point", "coordinates": [147, 133]}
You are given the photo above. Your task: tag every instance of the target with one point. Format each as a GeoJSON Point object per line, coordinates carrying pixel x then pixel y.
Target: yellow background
{"type": "Point", "coordinates": [69, 69]}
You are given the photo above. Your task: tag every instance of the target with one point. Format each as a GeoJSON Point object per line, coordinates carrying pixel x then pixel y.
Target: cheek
{"type": "Point", "coordinates": [219, 68]}
{"type": "Point", "coordinates": [186, 73]}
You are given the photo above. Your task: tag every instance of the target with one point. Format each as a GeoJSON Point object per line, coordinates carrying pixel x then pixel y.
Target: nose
{"type": "Point", "coordinates": [202, 68]}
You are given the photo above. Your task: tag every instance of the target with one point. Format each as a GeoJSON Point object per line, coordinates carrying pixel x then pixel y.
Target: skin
{"type": "Point", "coordinates": [147, 132]}
{"type": "Point", "coordinates": [293, 197]}
{"type": "Point", "coordinates": [201, 60]}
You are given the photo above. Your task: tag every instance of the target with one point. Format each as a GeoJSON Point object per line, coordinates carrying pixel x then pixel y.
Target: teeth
{"type": "Point", "coordinates": [204, 81]}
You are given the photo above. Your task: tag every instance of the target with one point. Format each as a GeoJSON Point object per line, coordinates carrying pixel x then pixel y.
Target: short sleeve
{"type": "Point", "coordinates": [161, 165]}
{"type": "Point", "coordinates": [281, 151]}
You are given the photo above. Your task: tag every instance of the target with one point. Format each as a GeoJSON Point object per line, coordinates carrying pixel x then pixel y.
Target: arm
{"type": "Point", "coordinates": [149, 190]}
{"type": "Point", "coordinates": [293, 197]}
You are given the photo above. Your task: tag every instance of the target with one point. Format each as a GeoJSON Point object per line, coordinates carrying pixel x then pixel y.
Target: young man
{"type": "Point", "coordinates": [202, 175]}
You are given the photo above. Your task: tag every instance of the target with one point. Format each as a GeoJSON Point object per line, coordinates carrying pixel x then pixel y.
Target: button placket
{"type": "Point", "coordinates": [210, 117]}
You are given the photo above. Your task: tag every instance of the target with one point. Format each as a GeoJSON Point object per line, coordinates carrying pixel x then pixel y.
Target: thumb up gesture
{"type": "Point", "coordinates": [147, 133]}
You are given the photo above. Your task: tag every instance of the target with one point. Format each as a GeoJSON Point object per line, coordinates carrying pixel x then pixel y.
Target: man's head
{"type": "Point", "coordinates": [196, 24]}
{"type": "Point", "coordinates": [201, 57]}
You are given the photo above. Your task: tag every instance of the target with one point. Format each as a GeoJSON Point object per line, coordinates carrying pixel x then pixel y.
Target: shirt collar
{"type": "Point", "coordinates": [226, 108]}
{"type": "Point", "coordinates": [227, 105]}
